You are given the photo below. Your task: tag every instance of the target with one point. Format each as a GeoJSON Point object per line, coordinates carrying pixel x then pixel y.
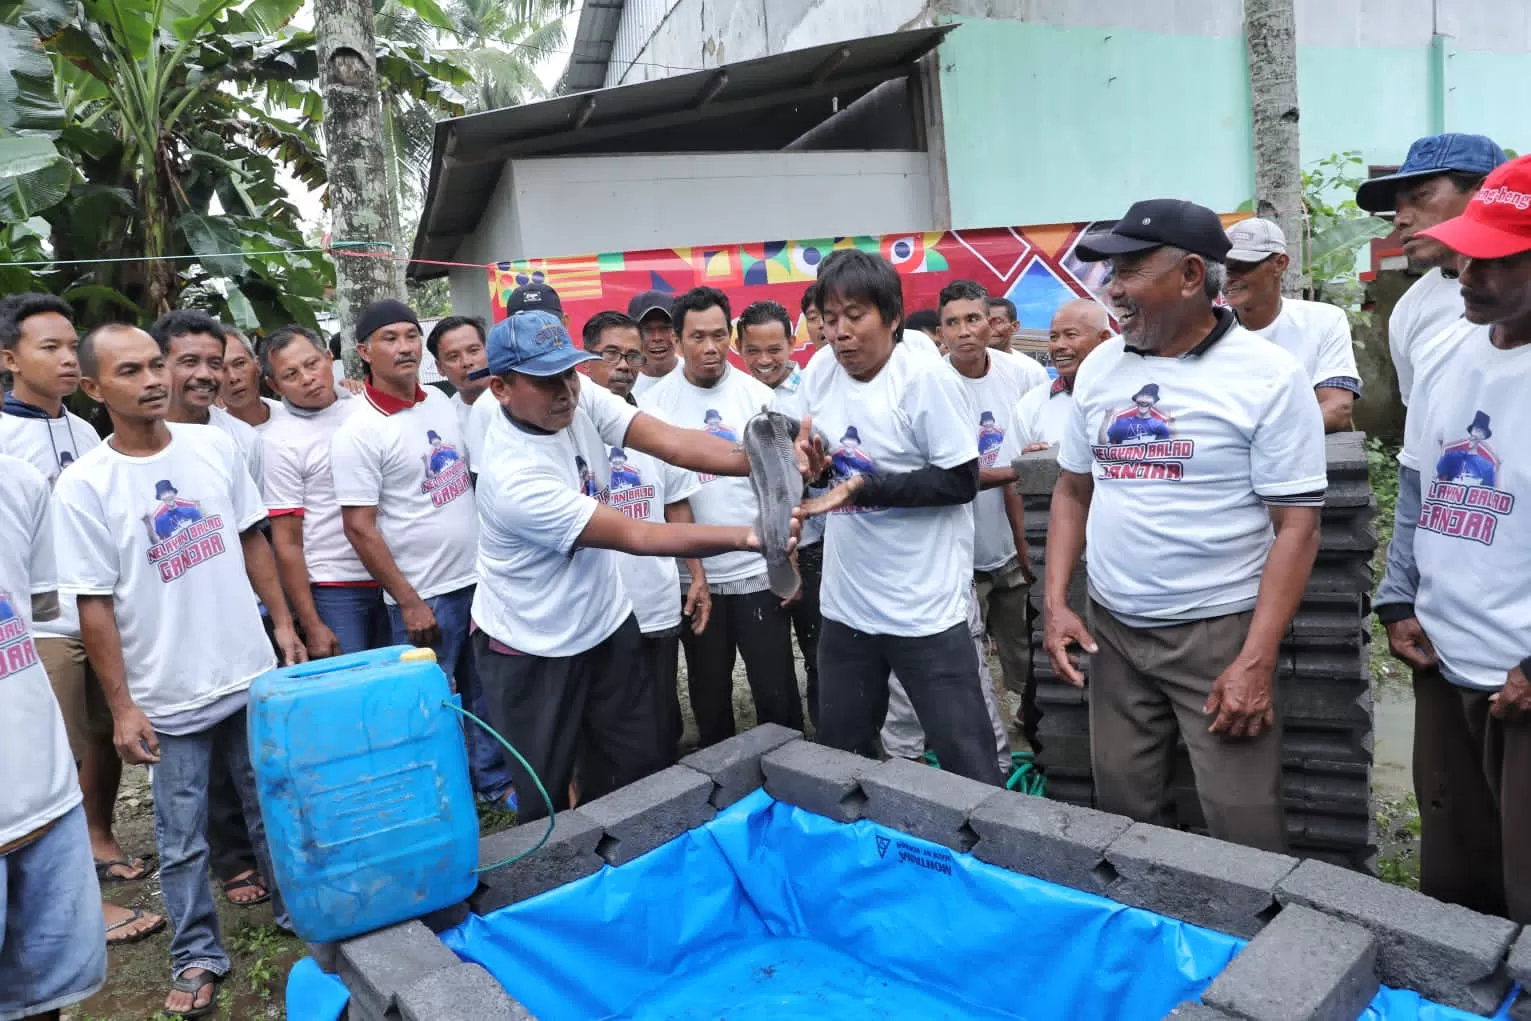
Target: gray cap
{"type": "Point", "coordinates": [1255, 240]}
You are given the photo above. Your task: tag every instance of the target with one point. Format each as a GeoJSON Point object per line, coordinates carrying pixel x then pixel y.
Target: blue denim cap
{"type": "Point", "coordinates": [532, 343]}
{"type": "Point", "coordinates": [1428, 156]}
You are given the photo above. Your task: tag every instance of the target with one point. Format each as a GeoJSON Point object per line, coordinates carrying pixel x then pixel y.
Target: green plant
{"type": "Point", "coordinates": [1336, 230]}
{"type": "Point", "coordinates": [494, 817]}
{"type": "Point", "coordinates": [1382, 468]}
{"type": "Point", "coordinates": [1398, 830]}
{"type": "Point", "coordinates": [262, 944]}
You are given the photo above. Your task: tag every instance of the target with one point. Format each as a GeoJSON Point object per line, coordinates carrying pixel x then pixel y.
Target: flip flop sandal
{"type": "Point", "coordinates": [253, 881]}
{"type": "Point", "coordinates": [195, 986]}
{"type": "Point", "coordinates": [137, 937]}
{"type": "Point", "coordinates": [106, 877]}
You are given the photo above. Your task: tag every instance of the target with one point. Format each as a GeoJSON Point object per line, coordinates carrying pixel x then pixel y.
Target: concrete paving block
{"type": "Point", "coordinates": [1192, 1011]}
{"type": "Point", "coordinates": [377, 966]}
{"type": "Point", "coordinates": [1040, 837]}
{"type": "Point", "coordinates": [653, 811]}
{"type": "Point", "coordinates": [1037, 472]}
{"type": "Point", "coordinates": [1520, 1010]}
{"type": "Point", "coordinates": [924, 802]}
{"type": "Point", "coordinates": [1448, 953]}
{"type": "Point", "coordinates": [1519, 965]}
{"type": "Point", "coordinates": [1346, 454]}
{"type": "Point", "coordinates": [1197, 879]}
{"type": "Point", "coordinates": [1335, 961]}
{"type": "Point", "coordinates": [568, 855]}
{"type": "Point", "coordinates": [818, 779]}
{"type": "Point", "coordinates": [464, 993]}
{"type": "Point", "coordinates": [441, 920]}
{"type": "Point", "coordinates": [734, 765]}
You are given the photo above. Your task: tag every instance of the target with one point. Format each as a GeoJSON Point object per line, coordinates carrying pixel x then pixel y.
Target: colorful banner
{"type": "Point", "coordinates": [1035, 267]}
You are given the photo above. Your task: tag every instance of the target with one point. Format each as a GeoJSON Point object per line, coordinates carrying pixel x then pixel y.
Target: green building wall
{"type": "Point", "coordinates": [1047, 124]}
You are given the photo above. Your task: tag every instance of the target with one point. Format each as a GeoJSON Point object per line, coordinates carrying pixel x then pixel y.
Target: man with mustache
{"type": "Point", "coordinates": [1043, 412]}
{"type": "Point", "coordinates": [170, 625]}
{"type": "Point", "coordinates": [1316, 333]}
{"type": "Point", "coordinates": [1436, 182]}
{"type": "Point", "coordinates": [241, 395]}
{"type": "Point", "coordinates": [1202, 530]}
{"type": "Point", "coordinates": [747, 619]}
{"type": "Point", "coordinates": [1472, 708]}
{"type": "Point", "coordinates": [400, 466]}
{"type": "Point", "coordinates": [193, 343]}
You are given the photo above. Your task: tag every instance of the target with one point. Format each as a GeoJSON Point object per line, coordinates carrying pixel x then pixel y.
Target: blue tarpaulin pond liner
{"type": "Point", "coordinates": [771, 912]}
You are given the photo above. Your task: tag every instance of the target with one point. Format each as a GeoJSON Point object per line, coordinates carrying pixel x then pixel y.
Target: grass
{"type": "Point", "coordinates": [1382, 466]}
{"type": "Point", "coordinates": [263, 944]}
{"type": "Point", "coordinates": [1398, 833]}
{"type": "Point", "coordinates": [494, 818]}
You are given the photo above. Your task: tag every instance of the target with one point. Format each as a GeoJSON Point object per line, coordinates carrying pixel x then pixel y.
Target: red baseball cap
{"type": "Point", "coordinates": [1497, 222]}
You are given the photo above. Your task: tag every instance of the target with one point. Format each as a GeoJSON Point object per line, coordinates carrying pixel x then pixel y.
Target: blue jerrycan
{"type": "Point", "coordinates": [363, 783]}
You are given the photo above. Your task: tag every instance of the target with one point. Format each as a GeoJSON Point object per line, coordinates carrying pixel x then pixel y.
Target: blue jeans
{"type": "Point", "coordinates": [486, 763]}
{"type": "Point", "coordinates": [180, 831]}
{"type": "Point", "coordinates": [355, 613]}
{"type": "Point", "coordinates": [52, 947]}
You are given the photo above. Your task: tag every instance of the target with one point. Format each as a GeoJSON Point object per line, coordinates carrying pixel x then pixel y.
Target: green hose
{"type": "Point", "coordinates": [1025, 777]}
{"type": "Point", "coordinates": [530, 772]}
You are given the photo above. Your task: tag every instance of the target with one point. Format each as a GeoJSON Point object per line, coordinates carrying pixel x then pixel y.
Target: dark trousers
{"type": "Point", "coordinates": [596, 709]}
{"type": "Point", "coordinates": [756, 627]}
{"type": "Point", "coordinates": [229, 851]}
{"type": "Point", "coordinates": [806, 620]}
{"type": "Point", "coordinates": [1472, 775]}
{"type": "Point", "coordinates": [940, 674]}
{"type": "Point", "coordinates": [1146, 686]}
{"type": "Point", "coordinates": [663, 652]}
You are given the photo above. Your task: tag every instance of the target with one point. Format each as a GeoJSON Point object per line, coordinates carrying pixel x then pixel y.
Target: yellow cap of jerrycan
{"type": "Point", "coordinates": [418, 656]}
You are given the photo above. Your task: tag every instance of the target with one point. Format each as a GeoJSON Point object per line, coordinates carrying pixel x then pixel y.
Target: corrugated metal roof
{"type": "Point", "coordinates": [640, 20]}
{"type": "Point", "coordinates": [760, 104]}
{"type": "Point", "coordinates": [599, 21]}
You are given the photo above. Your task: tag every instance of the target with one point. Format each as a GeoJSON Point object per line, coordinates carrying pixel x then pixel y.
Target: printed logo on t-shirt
{"type": "Point", "coordinates": [990, 438]}
{"type": "Point", "coordinates": [180, 536]}
{"type": "Point", "coordinates": [587, 484]}
{"type": "Point", "coordinates": [1138, 441]}
{"type": "Point", "coordinates": [849, 459]}
{"type": "Point", "coordinates": [446, 477]}
{"type": "Point", "coordinates": [628, 492]}
{"type": "Point", "coordinates": [17, 651]}
{"type": "Point", "coordinates": [1463, 501]}
{"type": "Point", "coordinates": [65, 459]}
{"type": "Point", "coordinates": [712, 421]}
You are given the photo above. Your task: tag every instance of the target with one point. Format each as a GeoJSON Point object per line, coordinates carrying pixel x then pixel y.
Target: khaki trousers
{"type": "Point", "coordinates": [1149, 684]}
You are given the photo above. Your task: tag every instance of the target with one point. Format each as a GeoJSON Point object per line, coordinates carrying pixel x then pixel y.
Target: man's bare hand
{"type": "Point", "coordinates": [1240, 704]}
{"type": "Point", "coordinates": [134, 737]}
{"type": "Point", "coordinates": [1023, 557]}
{"type": "Point", "coordinates": [289, 646]}
{"type": "Point", "coordinates": [843, 495]}
{"type": "Point", "coordinates": [420, 622]}
{"type": "Point", "coordinates": [1407, 641]}
{"type": "Point", "coordinates": [322, 642]}
{"type": "Point", "coordinates": [812, 461]}
{"type": "Point", "coordinates": [354, 386]}
{"type": "Point", "coordinates": [1032, 448]}
{"type": "Point", "coordinates": [698, 605]}
{"type": "Point", "coordinates": [1512, 702]}
{"type": "Point", "coordinates": [1065, 629]}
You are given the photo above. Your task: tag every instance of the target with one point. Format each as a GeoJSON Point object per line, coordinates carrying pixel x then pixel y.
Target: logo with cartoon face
{"type": "Point", "coordinates": [1141, 423]}
{"type": "Point", "coordinates": [442, 454]}
{"type": "Point", "coordinates": [1470, 462]}
{"type": "Point", "coordinates": [623, 475]}
{"type": "Point", "coordinates": [990, 438]}
{"type": "Point", "coordinates": [171, 513]}
{"type": "Point", "coordinates": [17, 651]}
{"type": "Point", "coordinates": [849, 459]}
{"type": "Point", "coordinates": [712, 421]}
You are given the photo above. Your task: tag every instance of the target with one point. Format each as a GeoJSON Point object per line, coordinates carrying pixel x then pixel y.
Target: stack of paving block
{"type": "Point", "coordinates": [1323, 683]}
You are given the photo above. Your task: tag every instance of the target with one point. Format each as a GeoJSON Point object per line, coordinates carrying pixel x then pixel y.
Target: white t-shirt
{"type": "Point", "coordinates": [465, 412]}
{"type": "Point", "coordinates": [1318, 336]}
{"type": "Point", "coordinates": [246, 441]}
{"type": "Point", "coordinates": [1472, 551]}
{"type": "Point", "coordinates": [1032, 371]}
{"type": "Point", "coordinates": [50, 445]}
{"type": "Point", "coordinates": [1184, 453]}
{"type": "Point", "coordinates": [1433, 303]}
{"type": "Point", "coordinates": [412, 466]}
{"type": "Point", "coordinates": [1042, 415]}
{"type": "Point", "coordinates": [536, 592]}
{"type": "Point", "coordinates": [298, 481]}
{"type": "Point", "coordinates": [644, 383]}
{"type": "Point", "coordinates": [161, 535]}
{"type": "Point", "coordinates": [721, 409]}
{"type": "Point", "coordinates": [641, 487]}
{"type": "Point", "coordinates": [35, 760]}
{"type": "Point", "coordinates": [275, 407]}
{"type": "Point", "coordinates": [1424, 330]}
{"type": "Point", "coordinates": [991, 415]}
{"type": "Point", "coordinates": [901, 571]}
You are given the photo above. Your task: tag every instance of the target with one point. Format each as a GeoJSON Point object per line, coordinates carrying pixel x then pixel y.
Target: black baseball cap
{"type": "Point", "coordinates": [651, 301]}
{"type": "Point", "coordinates": [533, 298]}
{"type": "Point", "coordinates": [1155, 223]}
